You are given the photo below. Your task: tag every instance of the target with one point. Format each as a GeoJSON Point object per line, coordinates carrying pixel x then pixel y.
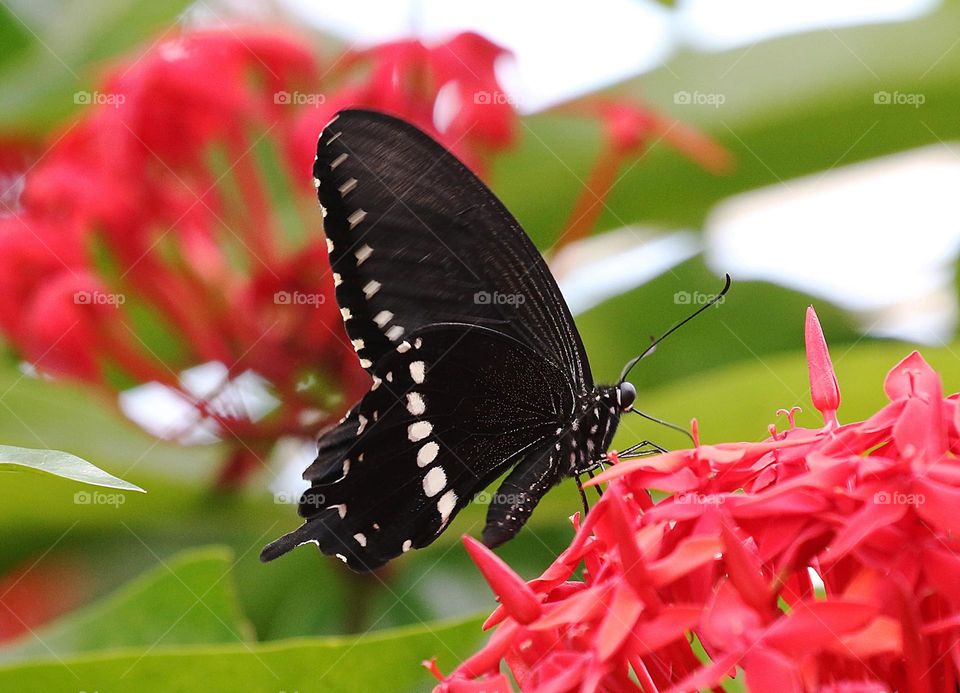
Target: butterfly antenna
{"type": "Point", "coordinates": [636, 359]}
{"type": "Point", "coordinates": [673, 426]}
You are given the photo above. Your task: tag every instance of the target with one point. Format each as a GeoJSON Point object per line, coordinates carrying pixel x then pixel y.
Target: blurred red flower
{"type": "Point", "coordinates": [817, 560]}
{"type": "Point", "coordinates": [173, 226]}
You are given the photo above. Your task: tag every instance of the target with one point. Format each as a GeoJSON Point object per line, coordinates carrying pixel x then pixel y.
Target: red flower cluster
{"type": "Point", "coordinates": [817, 560]}
{"type": "Point", "coordinates": [171, 226]}
{"type": "Point", "coordinates": [174, 224]}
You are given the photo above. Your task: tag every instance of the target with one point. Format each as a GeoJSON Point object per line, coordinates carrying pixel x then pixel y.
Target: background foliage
{"type": "Point", "coordinates": [167, 588]}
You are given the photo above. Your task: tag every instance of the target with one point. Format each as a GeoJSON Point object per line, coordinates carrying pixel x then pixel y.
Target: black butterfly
{"type": "Point", "coordinates": [477, 365]}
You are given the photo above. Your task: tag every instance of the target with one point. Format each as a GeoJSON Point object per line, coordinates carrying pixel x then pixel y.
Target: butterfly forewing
{"type": "Point", "coordinates": [416, 238]}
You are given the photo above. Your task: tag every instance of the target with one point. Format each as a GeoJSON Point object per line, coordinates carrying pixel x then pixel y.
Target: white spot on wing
{"type": "Point", "coordinates": [357, 344]}
{"type": "Point", "coordinates": [407, 545]}
{"type": "Point", "coordinates": [329, 246]}
{"type": "Point", "coordinates": [365, 363]}
{"type": "Point", "coordinates": [395, 333]}
{"type": "Point", "coordinates": [337, 279]}
{"type": "Point", "coordinates": [345, 313]}
{"type": "Point", "coordinates": [356, 218]}
{"type": "Point", "coordinates": [418, 371]}
{"type": "Point", "coordinates": [434, 481]}
{"type": "Point", "coordinates": [316, 182]}
{"type": "Point", "coordinates": [363, 424]}
{"type": "Point", "coordinates": [427, 454]}
{"type": "Point", "coordinates": [415, 403]}
{"type": "Point", "coordinates": [419, 430]}
{"type": "Point", "coordinates": [341, 509]}
{"type": "Point", "coordinates": [339, 160]}
{"type": "Point", "coordinates": [348, 186]}
{"type": "Point", "coordinates": [446, 504]}
{"type": "Point", "coordinates": [382, 318]}
{"type": "Point", "coordinates": [362, 253]}
{"type": "Point", "coordinates": [371, 288]}
{"type": "Point", "coordinates": [403, 347]}
{"type": "Point", "coordinates": [361, 538]}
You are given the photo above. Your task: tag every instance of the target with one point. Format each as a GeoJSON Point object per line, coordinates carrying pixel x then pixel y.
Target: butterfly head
{"type": "Point", "coordinates": [626, 396]}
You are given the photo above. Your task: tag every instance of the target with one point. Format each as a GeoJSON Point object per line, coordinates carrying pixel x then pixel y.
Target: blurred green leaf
{"type": "Point", "coordinates": [61, 464]}
{"type": "Point", "coordinates": [67, 45]}
{"type": "Point", "coordinates": [385, 661]}
{"type": "Point", "coordinates": [754, 320]}
{"type": "Point", "coordinates": [13, 35]}
{"type": "Point", "coordinates": [189, 599]}
{"type": "Point", "coordinates": [59, 415]}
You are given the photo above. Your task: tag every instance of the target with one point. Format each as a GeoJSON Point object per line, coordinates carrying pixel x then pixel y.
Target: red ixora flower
{"type": "Point", "coordinates": [817, 560]}
{"type": "Point", "coordinates": [167, 245]}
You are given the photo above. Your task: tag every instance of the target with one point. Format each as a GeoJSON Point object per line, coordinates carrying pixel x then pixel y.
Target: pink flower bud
{"type": "Point", "coordinates": [824, 390]}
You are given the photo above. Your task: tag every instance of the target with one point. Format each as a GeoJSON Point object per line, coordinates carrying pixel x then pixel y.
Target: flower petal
{"type": "Point", "coordinates": [768, 670]}
{"type": "Point", "coordinates": [515, 595]}
{"type": "Point", "coordinates": [913, 376]}
{"type": "Point", "coordinates": [938, 504]}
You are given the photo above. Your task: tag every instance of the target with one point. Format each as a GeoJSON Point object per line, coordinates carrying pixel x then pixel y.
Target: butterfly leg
{"type": "Point", "coordinates": [637, 450]}
{"type": "Point", "coordinates": [583, 496]}
{"type": "Point", "coordinates": [599, 490]}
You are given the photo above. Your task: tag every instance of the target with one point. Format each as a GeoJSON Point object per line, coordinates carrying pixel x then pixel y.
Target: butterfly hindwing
{"type": "Point", "coordinates": [452, 407]}
{"type": "Point", "coordinates": [415, 238]}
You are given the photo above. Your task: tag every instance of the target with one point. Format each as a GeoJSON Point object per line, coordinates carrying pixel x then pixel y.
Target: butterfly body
{"type": "Point", "coordinates": [476, 366]}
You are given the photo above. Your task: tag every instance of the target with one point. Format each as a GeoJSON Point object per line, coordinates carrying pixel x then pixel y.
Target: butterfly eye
{"type": "Point", "coordinates": [628, 394]}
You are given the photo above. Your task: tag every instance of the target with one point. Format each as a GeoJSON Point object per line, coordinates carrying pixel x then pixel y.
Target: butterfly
{"type": "Point", "coordinates": [477, 367]}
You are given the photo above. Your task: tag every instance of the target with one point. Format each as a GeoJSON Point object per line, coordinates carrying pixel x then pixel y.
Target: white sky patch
{"type": "Point", "coordinates": [879, 237]}
{"type": "Point", "coordinates": [817, 581]}
{"type": "Point", "coordinates": [289, 457]}
{"type": "Point", "coordinates": [601, 267]}
{"type": "Point", "coordinates": [165, 413]}
{"type": "Point", "coordinates": [712, 25]}
{"type": "Point", "coordinates": [561, 50]}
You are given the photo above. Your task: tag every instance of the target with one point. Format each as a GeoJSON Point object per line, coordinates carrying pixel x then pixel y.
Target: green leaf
{"type": "Point", "coordinates": [61, 464]}
{"type": "Point", "coordinates": [189, 599]}
{"type": "Point", "coordinates": [385, 661]}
